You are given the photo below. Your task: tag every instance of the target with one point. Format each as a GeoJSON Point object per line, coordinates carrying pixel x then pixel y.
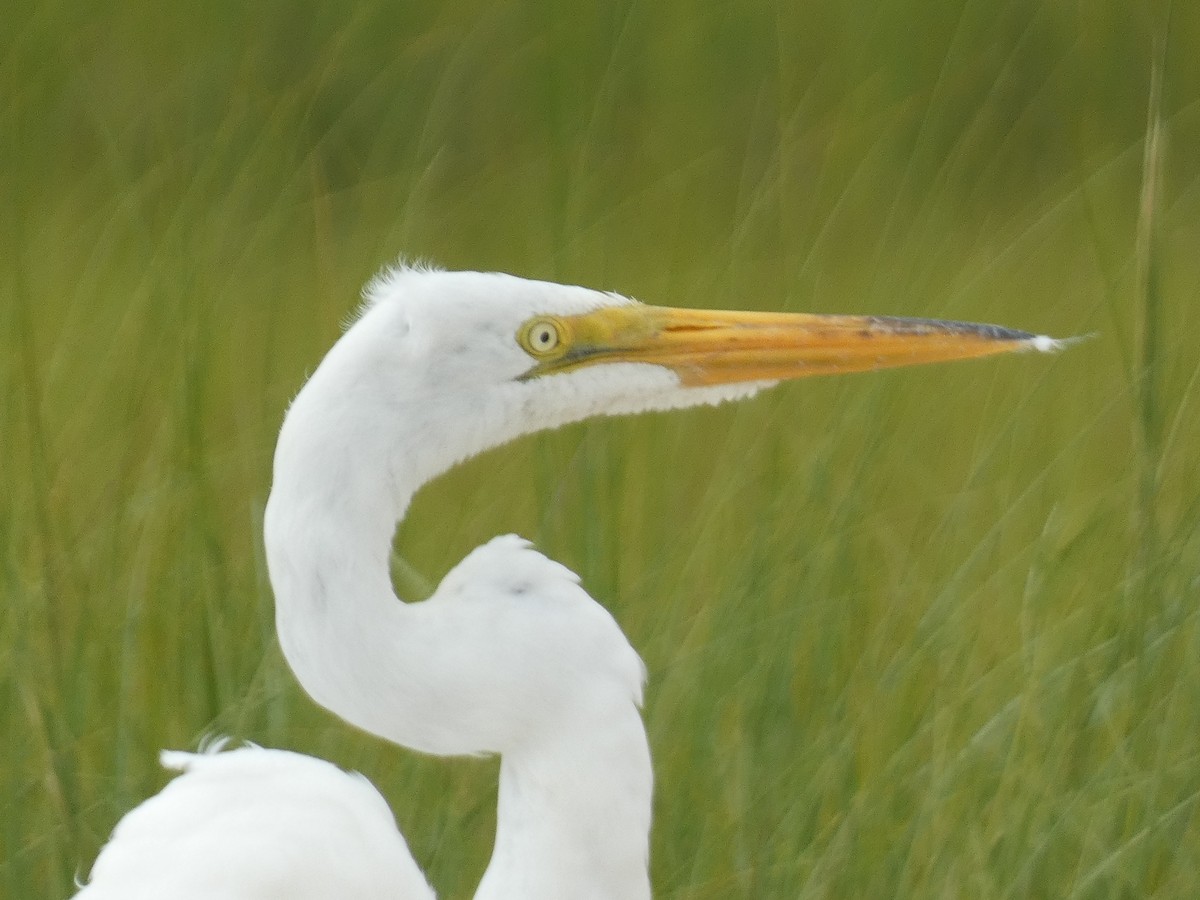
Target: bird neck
{"type": "Point", "coordinates": [573, 815]}
{"type": "Point", "coordinates": [357, 650]}
{"type": "Point", "coordinates": [509, 656]}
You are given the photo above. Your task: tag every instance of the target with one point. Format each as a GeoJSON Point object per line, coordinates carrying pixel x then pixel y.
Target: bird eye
{"type": "Point", "coordinates": [541, 337]}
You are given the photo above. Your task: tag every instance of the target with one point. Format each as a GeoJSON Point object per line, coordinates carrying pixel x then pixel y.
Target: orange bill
{"type": "Point", "coordinates": [705, 347]}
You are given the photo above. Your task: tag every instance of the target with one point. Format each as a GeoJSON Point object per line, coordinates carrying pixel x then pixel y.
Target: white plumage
{"type": "Point", "coordinates": [249, 823]}
{"type": "Point", "coordinates": [509, 655]}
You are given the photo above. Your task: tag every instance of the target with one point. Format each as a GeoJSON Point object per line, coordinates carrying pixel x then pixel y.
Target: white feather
{"type": "Point", "coordinates": [257, 824]}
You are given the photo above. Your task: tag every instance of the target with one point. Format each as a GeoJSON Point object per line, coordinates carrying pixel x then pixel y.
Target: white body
{"type": "Point", "coordinates": [257, 824]}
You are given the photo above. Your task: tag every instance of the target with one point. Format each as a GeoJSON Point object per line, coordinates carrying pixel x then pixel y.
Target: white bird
{"type": "Point", "coordinates": [510, 655]}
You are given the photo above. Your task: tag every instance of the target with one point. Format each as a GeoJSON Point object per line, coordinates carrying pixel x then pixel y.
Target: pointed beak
{"type": "Point", "coordinates": [706, 347]}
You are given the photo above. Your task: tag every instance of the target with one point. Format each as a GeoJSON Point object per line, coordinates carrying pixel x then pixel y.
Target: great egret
{"type": "Point", "coordinates": [510, 655]}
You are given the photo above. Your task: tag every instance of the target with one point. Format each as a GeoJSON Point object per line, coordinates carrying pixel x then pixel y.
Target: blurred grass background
{"type": "Point", "coordinates": [913, 634]}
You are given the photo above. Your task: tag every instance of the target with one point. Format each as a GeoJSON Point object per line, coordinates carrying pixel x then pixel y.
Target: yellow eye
{"type": "Point", "coordinates": [542, 336]}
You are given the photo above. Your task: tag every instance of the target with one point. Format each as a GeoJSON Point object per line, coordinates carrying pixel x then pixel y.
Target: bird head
{"type": "Point", "coordinates": [439, 365]}
{"type": "Point", "coordinates": [572, 352]}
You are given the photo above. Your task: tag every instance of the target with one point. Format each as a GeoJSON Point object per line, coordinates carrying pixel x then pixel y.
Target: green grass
{"type": "Point", "coordinates": [914, 634]}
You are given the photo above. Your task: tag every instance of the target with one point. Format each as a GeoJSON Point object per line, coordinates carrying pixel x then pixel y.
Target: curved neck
{"type": "Point", "coordinates": [467, 671]}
